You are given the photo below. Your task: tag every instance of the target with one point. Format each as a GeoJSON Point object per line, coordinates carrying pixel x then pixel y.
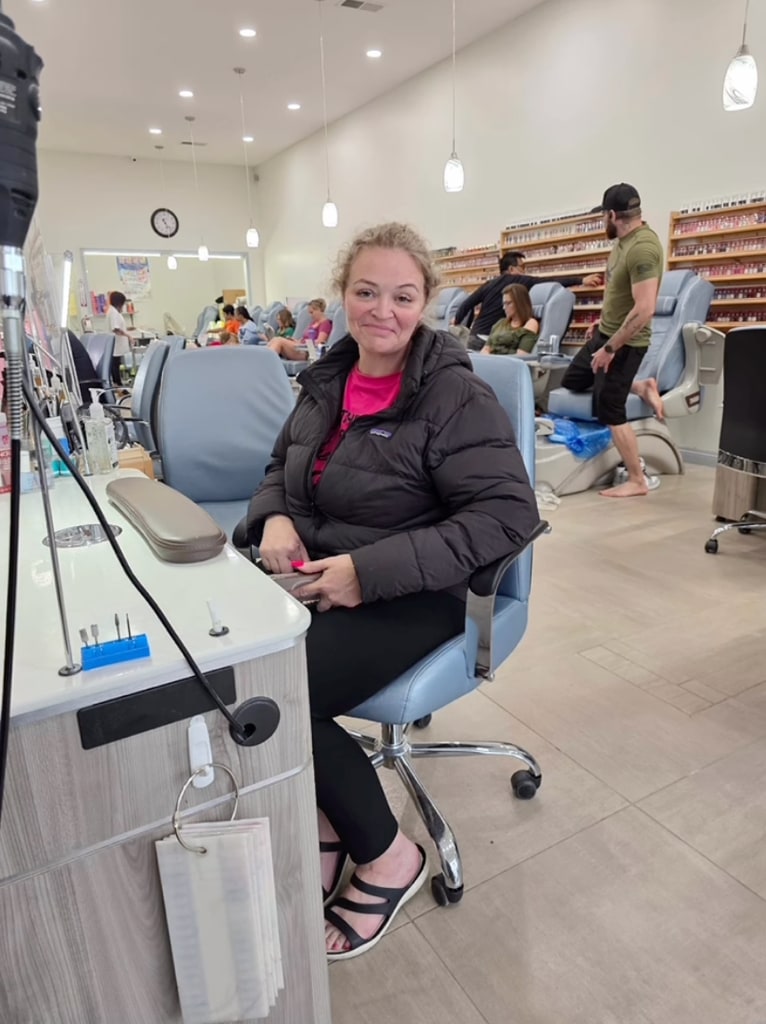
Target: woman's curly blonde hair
{"type": "Point", "coordinates": [388, 236]}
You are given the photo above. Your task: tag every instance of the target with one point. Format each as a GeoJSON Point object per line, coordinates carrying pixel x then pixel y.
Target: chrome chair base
{"type": "Point", "coordinates": [394, 750]}
{"type": "Point", "coordinates": [752, 520]}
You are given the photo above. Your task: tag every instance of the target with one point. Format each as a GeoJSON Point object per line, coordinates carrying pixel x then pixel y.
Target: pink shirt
{"type": "Point", "coordinates": [363, 396]}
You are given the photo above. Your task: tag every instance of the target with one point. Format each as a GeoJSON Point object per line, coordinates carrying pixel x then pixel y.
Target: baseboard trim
{"type": "Point", "coordinates": [695, 458]}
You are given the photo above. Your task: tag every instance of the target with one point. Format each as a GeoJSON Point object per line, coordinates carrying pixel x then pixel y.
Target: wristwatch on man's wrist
{"type": "Point", "coordinates": [609, 348]}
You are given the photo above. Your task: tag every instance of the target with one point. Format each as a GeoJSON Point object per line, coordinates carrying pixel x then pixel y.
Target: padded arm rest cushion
{"type": "Point", "coordinates": [175, 528]}
{"type": "Point", "coordinates": [484, 582]}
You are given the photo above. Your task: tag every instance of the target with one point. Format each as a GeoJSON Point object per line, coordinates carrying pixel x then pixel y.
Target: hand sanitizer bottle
{"type": "Point", "coordinates": [99, 433]}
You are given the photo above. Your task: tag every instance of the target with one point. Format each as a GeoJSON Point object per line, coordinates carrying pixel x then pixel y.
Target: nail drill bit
{"type": "Point", "coordinates": [94, 633]}
{"type": "Point", "coordinates": [117, 625]}
{"type": "Point", "coordinates": [127, 623]}
{"type": "Point", "coordinates": [84, 637]}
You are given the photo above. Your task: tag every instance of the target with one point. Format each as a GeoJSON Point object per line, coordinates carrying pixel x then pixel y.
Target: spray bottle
{"type": "Point", "coordinates": [99, 433]}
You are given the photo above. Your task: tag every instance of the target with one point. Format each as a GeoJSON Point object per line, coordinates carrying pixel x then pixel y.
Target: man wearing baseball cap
{"type": "Point", "coordinates": [615, 346]}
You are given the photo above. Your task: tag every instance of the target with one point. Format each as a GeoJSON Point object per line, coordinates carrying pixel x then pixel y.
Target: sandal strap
{"type": "Point", "coordinates": [353, 937]}
{"type": "Point", "coordinates": [336, 846]}
{"type": "Point", "coordinates": [381, 909]}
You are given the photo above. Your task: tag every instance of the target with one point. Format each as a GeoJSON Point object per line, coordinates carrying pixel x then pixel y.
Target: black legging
{"type": "Point", "coordinates": [116, 364]}
{"type": "Point", "coordinates": [353, 653]}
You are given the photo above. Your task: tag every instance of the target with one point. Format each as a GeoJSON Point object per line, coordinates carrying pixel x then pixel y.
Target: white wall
{"type": "Point", "coordinates": [566, 100]}
{"type": "Point", "coordinates": [100, 202]}
{"type": "Point", "coordinates": [183, 293]}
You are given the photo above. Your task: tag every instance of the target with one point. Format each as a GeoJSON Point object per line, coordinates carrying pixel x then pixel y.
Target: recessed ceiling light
{"type": "Point", "coordinates": [247, 33]}
{"type": "Point", "coordinates": [374, 54]}
{"type": "Point", "coordinates": [186, 94]}
{"type": "Point", "coordinates": [247, 138]}
{"type": "Point", "coordinates": [293, 106]}
{"type": "Point", "coordinates": [155, 131]}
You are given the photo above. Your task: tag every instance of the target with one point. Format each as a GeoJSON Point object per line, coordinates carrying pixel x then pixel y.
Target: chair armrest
{"type": "Point", "coordinates": [485, 582]}
{"type": "Point", "coordinates": [240, 535]}
{"type": "Point", "coordinates": [480, 605]}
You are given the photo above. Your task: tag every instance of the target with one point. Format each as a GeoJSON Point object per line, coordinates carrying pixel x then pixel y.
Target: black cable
{"type": "Point", "coordinates": [125, 565]}
{"type": "Point", "coordinates": [10, 612]}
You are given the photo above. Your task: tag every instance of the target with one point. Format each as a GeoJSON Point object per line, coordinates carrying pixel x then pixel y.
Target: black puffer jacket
{"type": "Point", "coordinates": [420, 495]}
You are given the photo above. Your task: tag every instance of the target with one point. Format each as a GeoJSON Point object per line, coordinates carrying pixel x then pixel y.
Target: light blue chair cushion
{"type": "Point", "coordinates": [444, 306]}
{"type": "Point", "coordinates": [219, 413]}
{"type": "Point", "coordinates": [339, 326]}
{"type": "Point", "coordinates": [100, 348]}
{"type": "Point", "coordinates": [145, 393]}
{"type": "Point", "coordinates": [449, 672]}
{"type": "Point", "coordinates": [226, 513]}
{"type": "Point", "coordinates": [552, 305]}
{"type": "Point", "coordinates": [684, 297]}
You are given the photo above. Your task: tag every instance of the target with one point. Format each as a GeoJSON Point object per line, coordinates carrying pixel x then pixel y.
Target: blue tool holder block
{"type": "Point", "coordinates": [115, 652]}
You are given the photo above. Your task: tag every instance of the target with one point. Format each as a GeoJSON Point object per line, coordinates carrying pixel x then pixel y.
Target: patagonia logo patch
{"type": "Point", "coordinates": [379, 432]}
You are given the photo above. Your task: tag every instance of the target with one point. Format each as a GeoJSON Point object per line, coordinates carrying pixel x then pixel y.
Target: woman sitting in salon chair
{"type": "Point", "coordinates": [395, 477]}
{"type": "Point", "coordinates": [518, 331]}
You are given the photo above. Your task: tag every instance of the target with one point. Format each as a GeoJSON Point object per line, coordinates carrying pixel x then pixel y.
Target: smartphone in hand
{"type": "Point", "coordinates": [292, 581]}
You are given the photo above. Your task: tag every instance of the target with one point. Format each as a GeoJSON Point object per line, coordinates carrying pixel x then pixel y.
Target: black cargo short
{"type": "Point", "coordinates": [610, 389]}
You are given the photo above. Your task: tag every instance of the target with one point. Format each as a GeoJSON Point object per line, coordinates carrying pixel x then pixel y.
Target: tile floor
{"type": "Point", "coordinates": [632, 890]}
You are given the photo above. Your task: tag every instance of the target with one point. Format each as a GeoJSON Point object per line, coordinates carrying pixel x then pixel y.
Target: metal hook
{"type": "Point", "coordinates": [177, 812]}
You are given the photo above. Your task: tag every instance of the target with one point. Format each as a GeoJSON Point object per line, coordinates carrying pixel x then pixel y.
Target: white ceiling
{"type": "Point", "coordinates": [113, 68]}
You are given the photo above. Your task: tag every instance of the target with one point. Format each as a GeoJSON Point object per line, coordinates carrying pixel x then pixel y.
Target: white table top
{"type": "Point", "coordinates": [261, 617]}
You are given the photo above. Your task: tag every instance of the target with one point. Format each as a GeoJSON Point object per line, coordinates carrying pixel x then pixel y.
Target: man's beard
{"type": "Point", "coordinates": [611, 230]}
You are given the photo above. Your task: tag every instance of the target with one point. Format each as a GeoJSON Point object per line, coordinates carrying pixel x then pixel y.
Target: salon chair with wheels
{"type": "Point", "coordinates": [496, 619]}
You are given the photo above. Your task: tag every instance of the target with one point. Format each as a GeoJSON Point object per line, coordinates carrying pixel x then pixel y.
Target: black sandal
{"type": "Point", "coordinates": [340, 870]}
{"type": "Point", "coordinates": [392, 902]}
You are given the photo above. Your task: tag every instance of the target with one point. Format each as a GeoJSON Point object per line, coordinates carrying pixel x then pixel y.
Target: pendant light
{"type": "Point", "coordinates": [741, 82]}
{"type": "Point", "coordinates": [172, 261]}
{"type": "Point", "coordinates": [252, 238]}
{"type": "Point", "coordinates": [329, 210]}
{"type": "Point", "coordinates": [203, 253]}
{"type": "Point", "coordinates": [454, 175]}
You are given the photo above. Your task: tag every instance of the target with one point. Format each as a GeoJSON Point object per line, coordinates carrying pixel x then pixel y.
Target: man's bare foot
{"type": "Point", "coordinates": [630, 489]}
{"type": "Point", "coordinates": [396, 869]}
{"type": "Point", "coordinates": [648, 392]}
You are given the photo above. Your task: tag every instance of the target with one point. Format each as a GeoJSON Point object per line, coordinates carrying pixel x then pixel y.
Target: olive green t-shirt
{"type": "Point", "coordinates": [505, 339]}
{"type": "Point", "coordinates": [636, 257]}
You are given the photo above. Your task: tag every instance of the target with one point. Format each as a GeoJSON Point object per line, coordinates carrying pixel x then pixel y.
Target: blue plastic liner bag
{"type": "Point", "coordinates": [582, 439]}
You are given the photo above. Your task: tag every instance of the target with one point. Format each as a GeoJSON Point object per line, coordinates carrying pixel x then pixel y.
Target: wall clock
{"type": "Point", "coordinates": [164, 222]}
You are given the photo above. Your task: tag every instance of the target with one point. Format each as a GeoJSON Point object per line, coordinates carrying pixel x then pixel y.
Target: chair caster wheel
{"type": "Point", "coordinates": [711, 546]}
{"type": "Point", "coordinates": [525, 784]}
{"type": "Point", "coordinates": [442, 895]}
{"type": "Point", "coordinates": [423, 723]}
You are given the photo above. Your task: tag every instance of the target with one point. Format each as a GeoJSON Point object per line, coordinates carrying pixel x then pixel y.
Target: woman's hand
{"type": "Point", "coordinates": [339, 586]}
{"type": "Point", "coordinates": [280, 545]}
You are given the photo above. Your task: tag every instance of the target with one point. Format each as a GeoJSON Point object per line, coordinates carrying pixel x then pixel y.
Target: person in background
{"type": "Point", "coordinates": [116, 326]}
{"type": "Point", "coordinates": [490, 294]}
{"type": "Point", "coordinates": [285, 324]}
{"type": "Point", "coordinates": [246, 327]}
{"type": "Point", "coordinates": [230, 325]}
{"type": "Point", "coordinates": [318, 331]}
{"type": "Point", "coordinates": [230, 322]}
{"type": "Point", "coordinates": [227, 338]}
{"type": "Point", "coordinates": [518, 331]}
{"type": "Point", "coordinates": [616, 345]}
{"type": "Point", "coordinates": [396, 477]}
